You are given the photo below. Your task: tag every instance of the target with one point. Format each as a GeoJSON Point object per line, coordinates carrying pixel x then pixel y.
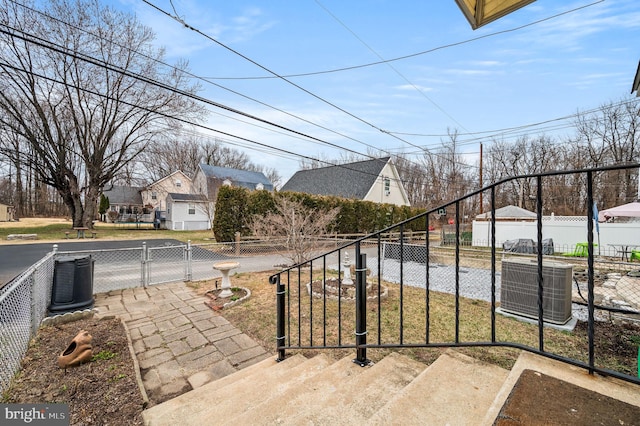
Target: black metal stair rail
{"type": "Point", "coordinates": [353, 329]}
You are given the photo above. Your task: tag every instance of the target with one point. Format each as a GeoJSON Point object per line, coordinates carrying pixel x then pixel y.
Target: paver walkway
{"type": "Point", "coordinates": [180, 343]}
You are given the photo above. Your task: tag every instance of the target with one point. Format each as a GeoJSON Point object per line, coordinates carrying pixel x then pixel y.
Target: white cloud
{"type": "Point", "coordinates": [414, 87]}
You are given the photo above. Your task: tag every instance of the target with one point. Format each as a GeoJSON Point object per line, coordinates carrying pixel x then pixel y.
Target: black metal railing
{"type": "Point", "coordinates": [417, 293]}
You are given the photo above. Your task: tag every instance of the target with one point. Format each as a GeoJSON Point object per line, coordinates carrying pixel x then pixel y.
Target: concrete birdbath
{"type": "Point", "coordinates": [224, 268]}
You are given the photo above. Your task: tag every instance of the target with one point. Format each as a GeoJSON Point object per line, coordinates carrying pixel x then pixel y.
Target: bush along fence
{"type": "Point", "coordinates": [236, 206]}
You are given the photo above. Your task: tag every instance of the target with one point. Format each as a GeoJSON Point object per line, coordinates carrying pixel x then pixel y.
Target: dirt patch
{"type": "Point", "coordinates": [538, 399]}
{"type": "Point", "coordinates": [103, 391]}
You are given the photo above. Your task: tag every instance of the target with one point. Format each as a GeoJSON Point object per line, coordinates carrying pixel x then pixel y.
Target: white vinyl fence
{"type": "Point", "coordinates": [566, 232]}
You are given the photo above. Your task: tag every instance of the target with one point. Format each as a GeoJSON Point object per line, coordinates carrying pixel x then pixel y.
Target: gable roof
{"type": "Point", "coordinates": [352, 180]}
{"type": "Point", "coordinates": [509, 212]}
{"type": "Point", "coordinates": [187, 197]}
{"type": "Point", "coordinates": [129, 195]}
{"type": "Point", "coordinates": [244, 178]}
{"type": "Point", "coordinates": [180, 172]}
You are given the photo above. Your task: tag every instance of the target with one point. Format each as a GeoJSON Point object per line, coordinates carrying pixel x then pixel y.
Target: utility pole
{"type": "Point", "coordinates": [481, 208]}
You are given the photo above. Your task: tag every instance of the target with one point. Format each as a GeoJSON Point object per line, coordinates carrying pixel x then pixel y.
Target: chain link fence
{"type": "Point", "coordinates": [25, 300]}
{"type": "Point", "coordinates": [23, 305]}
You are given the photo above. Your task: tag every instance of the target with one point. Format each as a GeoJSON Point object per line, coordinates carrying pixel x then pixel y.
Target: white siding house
{"type": "Point", "coordinates": [188, 212]}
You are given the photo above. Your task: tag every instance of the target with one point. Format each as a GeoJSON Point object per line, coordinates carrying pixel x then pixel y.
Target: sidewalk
{"type": "Point", "coordinates": [180, 343]}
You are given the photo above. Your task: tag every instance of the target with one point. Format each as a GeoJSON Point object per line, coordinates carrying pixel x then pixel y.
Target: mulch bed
{"type": "Point", "coordinates": [103, 391]}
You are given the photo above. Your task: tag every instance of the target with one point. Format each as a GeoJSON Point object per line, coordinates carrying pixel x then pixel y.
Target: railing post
{"type": "Point", "coordinates": [590, 274]}
{"type": "Point", "coordinates": [280, 308]}
{"type": "Point", "coordinates": [189, 270]}
{"type": "Point", "coordinates": [237, 244]}
{"type": "Point", "coordinates": [144, 278]}
{"type": "Point", "coordinates": [361, 308]}
{"type": "Point", "coordinates": [541, 283]}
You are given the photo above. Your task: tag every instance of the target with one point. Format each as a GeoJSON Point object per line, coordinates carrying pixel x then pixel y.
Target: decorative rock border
{"type": "Point", "coordinates": [68, 317]}
{"type": "Point", "coordinates": [234, 302]}
{"type": "Point", "coordinates": [384, 294]}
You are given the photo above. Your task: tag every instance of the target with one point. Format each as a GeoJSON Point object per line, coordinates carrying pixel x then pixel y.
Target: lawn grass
{"type": "Point", "coordinates": [105, 231]}
{"type": "Point", "coordinates": [257, 318]}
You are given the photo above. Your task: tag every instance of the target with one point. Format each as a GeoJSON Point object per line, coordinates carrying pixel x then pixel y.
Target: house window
{"type": "Point", "coordinates": [387, 186]}
{"type": "Point", "coordinates": [154, 195]}
{"type": "Point", "coordinates": [192, 209]}
{"type": "Point", "coordinates": [178, 183]}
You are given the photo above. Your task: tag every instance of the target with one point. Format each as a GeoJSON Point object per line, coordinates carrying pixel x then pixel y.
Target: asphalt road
{"type": "Point", "coordinates": [16, 258]}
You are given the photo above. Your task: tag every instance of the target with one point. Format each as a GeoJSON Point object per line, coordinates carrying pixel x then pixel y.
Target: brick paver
{"type": "Point", "coordinates": [179, 342]}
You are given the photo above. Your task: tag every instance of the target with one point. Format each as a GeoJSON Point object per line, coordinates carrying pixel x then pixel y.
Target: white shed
{"type": "Point", "coordinates": [188, 212]}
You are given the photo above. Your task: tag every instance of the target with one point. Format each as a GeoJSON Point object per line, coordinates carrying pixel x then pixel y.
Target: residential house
{"type": "Point", "coordinates": [374, 180]}
{"type": "Point", "coordinates": [125, 202]}
{"type": "Point", "coordinates": [208, 180]}
{"type": "Point", "coordinates": [188, 212]}
{"type": "Point", "coordinates": [155, 194]}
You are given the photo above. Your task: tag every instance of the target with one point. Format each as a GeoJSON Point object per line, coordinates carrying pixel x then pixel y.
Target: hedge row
{"type": "Point", "coordinates": [236, 206]}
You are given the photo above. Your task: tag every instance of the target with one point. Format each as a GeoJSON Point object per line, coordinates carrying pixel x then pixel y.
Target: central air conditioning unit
{"type": "Point", "coordinates": [519, 289]}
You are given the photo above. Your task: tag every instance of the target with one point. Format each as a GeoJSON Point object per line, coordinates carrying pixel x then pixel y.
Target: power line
{"type": "Point", "coordinates": [30, 38]}
{"type": "Point", "coordinates": [390, 65]}
{"type": "Point", "coordinates": [297, 86]}
{"type": "Point", "coordinates": [413, 55]}
{"type": "Point", "coordinates": [313, 140]}
{"type": "Point", "coordinates": [182, 120]}
{"type": "Point", "coordinates": [214, 84]}
{"type": "Point", "coordinates": [387, 151]}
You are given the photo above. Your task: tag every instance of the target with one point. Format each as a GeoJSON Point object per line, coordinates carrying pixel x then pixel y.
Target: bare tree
{"type": "Point", "coordinates": [415, 179]}
{"type": "Point", "coordinates": [166, 155]}
{"type": "Point", "coordinates": [611, 135]}
{"type": "Point", "coordinates": [70, 86]}
{"type": "Point", "coordinates": [300, 225]}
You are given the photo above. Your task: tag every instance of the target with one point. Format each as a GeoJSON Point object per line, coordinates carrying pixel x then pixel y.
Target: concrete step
{"type": "Point", "coordinates": [243, 395]}
{"type": "Point", "coordinates": [307, 396]}
{"type": "Point", "coordinates": [355, 401]}
{"type": "Point", "coordinates": [454, 390]}
{"type": "Point", "coordinates": [176, 410]}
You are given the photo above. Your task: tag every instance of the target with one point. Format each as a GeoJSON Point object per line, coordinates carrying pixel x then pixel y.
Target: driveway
{"type": "Point", "coordinates": [16, 258]}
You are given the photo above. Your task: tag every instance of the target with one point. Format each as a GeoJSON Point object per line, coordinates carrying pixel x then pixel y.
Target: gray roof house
{"type": "Point", "coordinates": [126, 197]}
{"type": "Point", "coordinates": [208, 179]}
{"type": "Point", "coordinates": [374, 180]}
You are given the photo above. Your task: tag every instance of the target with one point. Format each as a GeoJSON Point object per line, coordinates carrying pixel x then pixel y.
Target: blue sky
{"type": "Point", "coordinates": [577, 61]}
